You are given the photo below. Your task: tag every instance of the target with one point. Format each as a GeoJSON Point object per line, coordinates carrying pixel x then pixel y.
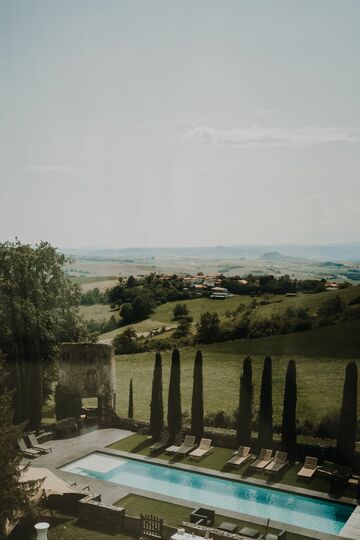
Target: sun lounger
{"type": "Point", "coordinates": [342, 473]}
{"type": "Point", "coordinates": [263, 460]}
{"type": "Point", "coordinates": [160, 445]}
{"type": "Point", "coordinates": [327, 468]}
{"type": "Point", "coordinates": [239, 457]}
{"type": "Point", "coordinates": [278, 463]}
{"type": "Point", "coordinates": [335, 471]}
{"type": "Point", "coordinates": [354, 482]}
{"type": "Point", "coordinates": [187, 446]}
{"type": "Point", "coordinates": [308, 471]}
{"type": "Point", "coordinates": [29, 452]}
{"type": "Point", "coordinates": [41, 447]}
{"type": "Point", "coordinates": [177, 443]}
{"type": "Point", "coordinates": [202, 450]}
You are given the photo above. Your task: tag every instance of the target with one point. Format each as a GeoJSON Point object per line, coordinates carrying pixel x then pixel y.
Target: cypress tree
{"type": "Point", "coordinates": [174, 419]}
{"type": "Point", "coordinates": [156, 405]}
{"type": "Point", "coordinates": [245, 405]}
{"type": "Point", "coordinates": [265, 436]}
{"type": "Point", "coordinates": [346, 438]}
{"type": "Point", "coordinates": [36, 390]}
{"type": "Point", "coordinates": [197, 403]}
{"type": "Point", "coordinates": [131, 400]}
{"type": "Point", "coordinates": [289, 412]}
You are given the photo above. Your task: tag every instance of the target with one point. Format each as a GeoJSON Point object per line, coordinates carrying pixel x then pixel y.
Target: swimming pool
{"type": "Point", "coordinates": [203, 489]}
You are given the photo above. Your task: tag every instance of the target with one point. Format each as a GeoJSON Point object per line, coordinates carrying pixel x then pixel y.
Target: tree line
{"type": "Point", "coordinates": [346, 436]}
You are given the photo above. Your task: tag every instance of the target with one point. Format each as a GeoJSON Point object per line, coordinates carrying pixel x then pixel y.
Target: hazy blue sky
{"type": "Point", "coordinates": [189, 122]}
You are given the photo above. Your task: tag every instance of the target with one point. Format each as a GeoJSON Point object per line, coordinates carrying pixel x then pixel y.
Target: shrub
{"type": "Point", "coordinates": [126, 342]}
{"type": "Point", "coordinates": [328, 426]}
{"type": "Point", "coordinates": [219, 419]}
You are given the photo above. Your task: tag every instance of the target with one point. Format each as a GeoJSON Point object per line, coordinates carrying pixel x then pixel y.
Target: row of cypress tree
{"type": "Point", "coordinates": [265, 420]}
{"type": "Point", "coordinates": [174, 416]}
{"type": "Point", "coordinates": [348, 415]}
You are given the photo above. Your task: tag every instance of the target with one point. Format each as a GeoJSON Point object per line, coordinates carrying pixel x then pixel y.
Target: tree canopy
{"type": "Point", "coordinates": [14, 495]}
{"type": "Point", "coordinates": [39, 306]}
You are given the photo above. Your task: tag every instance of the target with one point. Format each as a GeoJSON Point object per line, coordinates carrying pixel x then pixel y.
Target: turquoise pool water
{"type": "Point", "coordinates": [202, 489]}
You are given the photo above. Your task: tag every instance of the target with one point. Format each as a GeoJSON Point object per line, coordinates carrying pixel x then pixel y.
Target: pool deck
{"type": "Point", "coordinates": [67, 450]}
{"type": "Point", "coordinates": [352, 526]}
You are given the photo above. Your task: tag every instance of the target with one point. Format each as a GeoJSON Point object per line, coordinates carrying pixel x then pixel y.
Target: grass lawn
{"type": "Point", "coordinates": [321, 356]}
{"type": "Point", "coordinates": [64, 527]}
{"type": "Point", "coordinates": [98, 312]}
{"type": "Point", "coordinates": [140, 444]}
{"type": "Point", "coordinates": [174, 514]}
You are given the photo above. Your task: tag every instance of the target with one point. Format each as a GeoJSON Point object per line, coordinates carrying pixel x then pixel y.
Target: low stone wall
{"type": "Point", "coordinates": [101, 516]}
{"type": "Point", "coordinates": [113, 519]}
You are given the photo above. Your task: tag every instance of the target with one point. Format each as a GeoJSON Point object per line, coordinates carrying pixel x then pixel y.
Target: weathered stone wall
{"type": "Point", "coordinates": [101, 516]}
{"type": "Point", "coordinates": [89, 370]}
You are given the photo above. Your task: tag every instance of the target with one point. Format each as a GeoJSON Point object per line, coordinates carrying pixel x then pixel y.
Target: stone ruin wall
{"type": "Point", "coordinates": [89, 369]}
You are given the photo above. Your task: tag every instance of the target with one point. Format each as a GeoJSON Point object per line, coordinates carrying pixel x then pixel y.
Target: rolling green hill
{"type": "Point", "coordinates": [163, 314]}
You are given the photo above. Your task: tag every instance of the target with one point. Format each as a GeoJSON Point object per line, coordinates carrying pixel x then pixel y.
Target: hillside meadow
{"type": "Point", "coordinates": [162, 315]}
{"type": "Point", "coordinates": [321, 356]}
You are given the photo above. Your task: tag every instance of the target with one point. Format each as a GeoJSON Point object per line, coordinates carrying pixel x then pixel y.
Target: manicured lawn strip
{"type": "Point", "coordinates": [174, 514]}
{"type": "Point", "coordinates": [140, 444]}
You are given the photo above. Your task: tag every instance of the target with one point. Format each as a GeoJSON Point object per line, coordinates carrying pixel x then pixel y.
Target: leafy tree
{"type": "Point", "coordinates": [39, 304]}
{"type": "Point", "coordinates": [156, 405]}
{"type": "Point", "coordinates": [346, 438]}
{"type": "Point", "coordinates": [131, 400]}
{"type": "Point", "coordinates": [289, 412]}
{"type": "Point", "coordinates": [126, 342]}
{"type": "Point", "coordinates": [208, 328]}
{"type": "Point", "coordinates": [15, 496]}
{"type": "Point", "coordinates": [126, 312]}
{"type": "Point", "coordinates": [35, 397]}
{"type": "Point", "coordinates": [245, 405]}
{"type": "Point", "coordinates": [183, 328]}
{"type": "Point", "coordinates": [265, 436]}
{"type": "Point", "coordinates": [197, 403]}
{"type": "Point", "coordinates": [180, 311]}
{"type": "Point", "coordinates": [17, 385]}
{"type": "Point", "coordinates": [174, 418]}
{"type": "Point", "coordinates": [138, 309]}
{"type": "Point", "coordinates": [131, 282]}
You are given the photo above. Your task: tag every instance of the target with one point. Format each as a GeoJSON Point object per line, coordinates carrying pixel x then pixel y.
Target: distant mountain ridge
{"type": "Point", "coordinates": [317, 252]}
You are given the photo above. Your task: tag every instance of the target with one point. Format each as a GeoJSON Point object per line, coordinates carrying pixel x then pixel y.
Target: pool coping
{"type": "Point", "coordinates": [309, 533]}
{"type": "Point", "coordinates": [220, 474]}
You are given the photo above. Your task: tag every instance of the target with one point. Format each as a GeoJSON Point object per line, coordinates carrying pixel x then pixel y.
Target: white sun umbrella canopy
{"type": "Point", "coordinates": [50, 485]}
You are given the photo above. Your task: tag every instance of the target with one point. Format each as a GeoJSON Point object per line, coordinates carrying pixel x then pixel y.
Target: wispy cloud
{"type": "Point", "coordinates": [272, 136]}
{"type": "Point", "coordinates": [48, 168]}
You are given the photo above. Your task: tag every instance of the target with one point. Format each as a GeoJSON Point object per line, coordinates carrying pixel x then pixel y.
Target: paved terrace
{"type": "Point", "coordinates": [67, 450]}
